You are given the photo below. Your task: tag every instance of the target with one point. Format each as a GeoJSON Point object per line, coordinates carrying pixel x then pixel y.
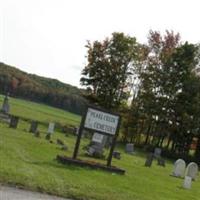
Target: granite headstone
{"type": "Point", "coordinates": [129, 148]}
{"type": "Point", "coordinates": [192, 170]}
{"type": "Point", "coordinates": [14, 122]}
{"type": "Point", "coordinates": [149, 160]}
{"type": "Point", "coordinates": [157, 152]}
{"type": "Point", "coordinates": [33, 127]}
{"type": "Point", "coordinates": [179, 168]}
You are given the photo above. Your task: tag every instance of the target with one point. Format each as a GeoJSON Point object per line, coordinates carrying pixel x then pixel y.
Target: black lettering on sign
{"type": "Point", "coordinates": [92, 114]}
{"type": "Point", "coordinates": [103, 127]}
{"type": "Point", "coordinates": [109, 119]}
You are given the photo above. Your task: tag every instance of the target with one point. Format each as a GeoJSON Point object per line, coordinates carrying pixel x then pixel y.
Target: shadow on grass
{"type": "Point", "coordinates": [55, 164]}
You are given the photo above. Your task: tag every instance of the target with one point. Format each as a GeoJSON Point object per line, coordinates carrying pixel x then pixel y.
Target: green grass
{"type": "Point", "coordinates": [40, 112]}
{"type": "Point", "coordinates": [30, 162]}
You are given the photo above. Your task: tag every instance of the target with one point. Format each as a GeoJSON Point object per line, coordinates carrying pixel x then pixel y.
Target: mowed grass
{"type": "Point", "coordinates": [30, 162]}
{"type": "Point", "coordinates": [41, 112]}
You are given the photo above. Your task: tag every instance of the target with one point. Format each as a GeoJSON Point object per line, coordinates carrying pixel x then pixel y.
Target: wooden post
{"type": "Point", "coordinates": [76, 148]}
{"type": "Point", "coordinates": [113, 144]}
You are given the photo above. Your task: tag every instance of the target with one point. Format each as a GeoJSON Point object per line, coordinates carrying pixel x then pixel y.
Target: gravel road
{"type": "Point", "coordinates": [10, 193]}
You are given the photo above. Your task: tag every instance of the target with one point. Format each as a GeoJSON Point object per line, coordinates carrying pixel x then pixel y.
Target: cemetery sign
{"type": "Point", "coordinates": [100, 121]}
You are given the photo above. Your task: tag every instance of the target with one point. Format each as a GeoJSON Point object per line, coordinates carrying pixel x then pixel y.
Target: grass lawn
{"type": "Point", "coordinates": [41, 112]}
{"type": "Point", "coordinates": [30, 162]}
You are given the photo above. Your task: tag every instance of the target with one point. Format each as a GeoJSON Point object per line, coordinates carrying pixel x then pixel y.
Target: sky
{"type": "Point", "coordinates": [48, 37]}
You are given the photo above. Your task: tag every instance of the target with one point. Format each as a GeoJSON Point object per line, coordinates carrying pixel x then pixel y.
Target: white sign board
{"type": "Point", "coordinates": [101, 121]}
{"type": "Point", "coordinates": [97, 138]}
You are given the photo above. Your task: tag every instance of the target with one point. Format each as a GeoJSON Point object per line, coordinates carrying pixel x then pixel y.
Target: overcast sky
{"type": "Point", "coordinates": [47, 37]}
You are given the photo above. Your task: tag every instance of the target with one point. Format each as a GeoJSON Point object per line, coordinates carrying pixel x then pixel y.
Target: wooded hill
{"type": "Point", "coordinates": [36, 88]}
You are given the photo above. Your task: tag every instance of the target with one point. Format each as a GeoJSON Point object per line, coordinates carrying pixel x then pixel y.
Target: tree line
{"type": "Point", "coordinates": [159, 80]}
{"type": "Point", "coordinates": [45, 90]}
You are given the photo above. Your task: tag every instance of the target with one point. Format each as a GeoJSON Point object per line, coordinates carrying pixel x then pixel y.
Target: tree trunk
{"type": "Point", "coordinates": [162, 140]}
{"type": "Point", "coordinates": [168, 142]}
{"type": "Point", "coordinates": [197, 152]}
{"type": "Point", "coordinates": [148, 133]}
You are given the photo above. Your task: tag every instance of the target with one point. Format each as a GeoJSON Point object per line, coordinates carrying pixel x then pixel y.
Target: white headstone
{"type": "Point", "coordinates": [192, 170]}
{"type": "Point", "coordinates": [187, 182]}
{"type": "Point", "coordinates": [77, 130]}
{"type": "Point", "coordinates": [179, 168]}
{"type": "Point", "coordinates": [51, 127]}
{"type": "Point", "coordinates": [97, 138]}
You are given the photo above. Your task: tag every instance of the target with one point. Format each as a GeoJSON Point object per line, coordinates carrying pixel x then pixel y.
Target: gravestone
{"type": "Point", "coordinates": [14, 122]}
{"type": "Point", "coordinates": [96, 146]}
{"type": "Point", "coordinates": [179, 168]}
{"type": "Point", "coordinates": [69, 130]}
{"type": "Point", "coordinates": [33, 127]}
{"type": "Point", "coordinates": [117, 155]}
{"type": "Point", "coordinates": [50, 131]}
{"type": "Point", "coordinates": [64, 147]}
{"type": "Point", "coordinates": [187, 182]}
{"type": "Point", "coordinates": [51, 128]}
{"type": "Point", "coordinates": [149, 160]}
{"type": "Point", "coordinates": [157, 152]}
{"type": "Point", "coordinates": [91, 151]}
{"type": "Point", "coordinates": [99, 139]}
{"type": "Point", "coordinates": [60, 142]}
{"type": "Point", "coordinates": [76, 131]}
{"type": "Point", "coordinates": [5, 107]}
{"type": "Point", "coordinates": [129, 148]}
{"type": "Point", "coordinates": [95, 150]}
{"type": "Point", "coordinates": [161, 162]}
{"type": "Point", "coordinates": [37, 134]}
{"type": "Point", "coordinates": [192, 170]}
{"type": "Point", "coordinates": [48, 136]}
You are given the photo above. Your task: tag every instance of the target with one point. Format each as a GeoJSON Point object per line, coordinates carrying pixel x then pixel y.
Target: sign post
{"type": "Point", "coordinates": [80, 131]}
{"type": "Point", "coordinates": [104, 122]}
{"type": "Point", "coordinates": [113, 145]}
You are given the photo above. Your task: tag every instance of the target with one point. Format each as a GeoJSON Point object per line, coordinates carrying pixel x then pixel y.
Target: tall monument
{"type": "Point", "coordinates": [5, 107]}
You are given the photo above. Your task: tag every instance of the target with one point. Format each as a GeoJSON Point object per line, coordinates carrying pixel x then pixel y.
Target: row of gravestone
{"type": "Point", "coordinates": [95, 149]}
{"type": "Point", "coordinates": [33, 127]}
{"type": "Point", "coordinates": [189, 173]}
{"type": "Point", "coordinates": [150, 157]}
{"type": "Point", "coordinates": [130, 150]}
{"type": "Point", "coordinates": [180, 169]}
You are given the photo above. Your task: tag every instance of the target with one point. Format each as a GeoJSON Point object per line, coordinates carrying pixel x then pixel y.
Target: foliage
{"type": "Point", "coordinates": [167, 104]}
{"type": "Point", "coordinates": [108, 68]}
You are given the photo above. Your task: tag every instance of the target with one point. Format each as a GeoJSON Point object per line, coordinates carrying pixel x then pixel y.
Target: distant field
{"type": "Point", "coordinates": [41, 112]}
{"type": "Point", "coordinates": [30, 162]}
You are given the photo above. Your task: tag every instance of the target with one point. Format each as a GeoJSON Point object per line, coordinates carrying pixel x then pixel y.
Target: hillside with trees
{"type": "Point", "coordinates": [40, 89]}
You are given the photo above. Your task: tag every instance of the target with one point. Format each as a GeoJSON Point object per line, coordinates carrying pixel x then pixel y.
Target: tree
{"type": "Point", "coordinates": [108, 68]}
{"type": "Point", "coordinates": [152, 77]}
{"type": "Point", "coordinates": [168, 93]}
